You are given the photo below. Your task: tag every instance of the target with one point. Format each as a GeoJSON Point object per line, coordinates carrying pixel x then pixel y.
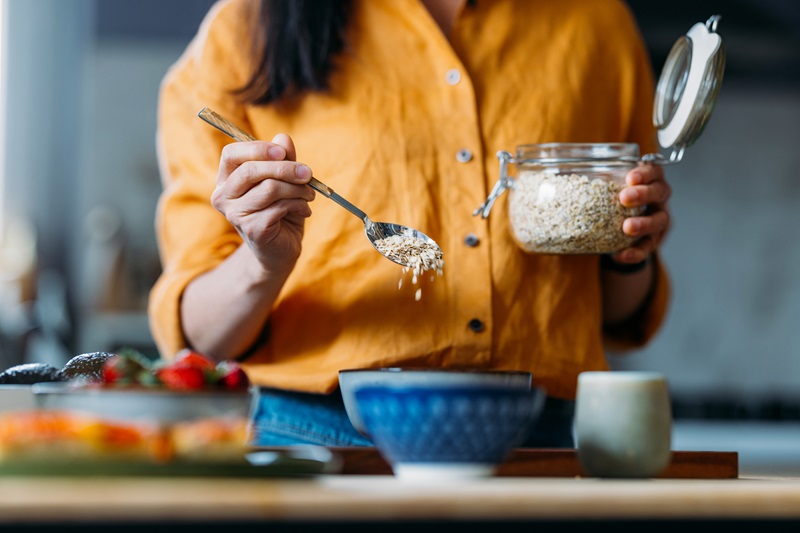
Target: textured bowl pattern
{"type": "Point", "coordinates": [350, 380]}
{"type": "Point", "coordinates": [448, 425]}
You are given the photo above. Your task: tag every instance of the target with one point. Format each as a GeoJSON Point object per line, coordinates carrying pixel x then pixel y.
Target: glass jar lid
{"type": "Point", "coordinates": [688, 87]}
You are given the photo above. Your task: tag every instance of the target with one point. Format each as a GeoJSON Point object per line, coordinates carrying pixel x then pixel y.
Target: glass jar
{"type": "Point", "coordinates": [565, 197]}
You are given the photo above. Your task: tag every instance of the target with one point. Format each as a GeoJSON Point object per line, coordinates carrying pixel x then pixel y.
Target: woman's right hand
{"type": "Point", "coordinates": [262, 191]}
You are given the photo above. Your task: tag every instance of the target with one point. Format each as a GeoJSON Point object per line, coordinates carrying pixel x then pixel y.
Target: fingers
{"type": "Point", "coordinates": [636, 253]}
{"type": "Point", "coordinates": [644, 174]}
{"type": "Point", "coordinates": [645, 185]}
{"type": "Point", "coordinates": [655, 223]}
{"type": "Point", "coordinates": [291, 206]}
{"type": "Point", "coordinates": [650, 230]}
{"type": "Point", "coordinates": [235, 155]}
{"type": "Point", "coordinates": [287, 144]}
{"type": "Point", "coordinates": [253, 174]}
{"type": "Point", "coordinates": [255, 222]}
{"type": "Point", "coordinates": [252, 193]}
{"type": "Point", "coordinates": [258, 175]}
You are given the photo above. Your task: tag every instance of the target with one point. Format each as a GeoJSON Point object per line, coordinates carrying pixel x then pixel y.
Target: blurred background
{"type": "Point", "coordinates": [79, 185]}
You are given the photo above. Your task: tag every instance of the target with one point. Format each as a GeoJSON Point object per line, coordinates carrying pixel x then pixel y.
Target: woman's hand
{"type": "Point", "coordinates": [625, 292]}
{"type": "Point", "coordinates": [262, 191]}
{"type": "Point", "coordinates": [645, 186]}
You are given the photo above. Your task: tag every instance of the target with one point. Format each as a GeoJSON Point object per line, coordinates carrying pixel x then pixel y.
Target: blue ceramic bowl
{"type": "Point", "coordinates": [432, 433]}
{"type": "Point", "coordinates": [350, 380]}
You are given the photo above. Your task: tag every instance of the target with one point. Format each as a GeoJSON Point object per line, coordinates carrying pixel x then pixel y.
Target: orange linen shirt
{"type": "Point", "coordinates": [409, 132]}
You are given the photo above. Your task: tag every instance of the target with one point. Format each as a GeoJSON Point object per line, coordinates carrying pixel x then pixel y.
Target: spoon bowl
{"type": "Point", "coordinates": [381, 230]}
{"type": "Point", "coordinates": [375, 231]}
{"type": "Point", "coordinates": [378, 231]}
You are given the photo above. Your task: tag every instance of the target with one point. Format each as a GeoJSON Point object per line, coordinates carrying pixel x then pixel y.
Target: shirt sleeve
{"type": "Point", "coordinates": [193, 237]}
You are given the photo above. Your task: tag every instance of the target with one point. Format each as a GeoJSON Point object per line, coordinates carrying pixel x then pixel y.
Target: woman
{"type": "Point", "coordinates": [400, 107]}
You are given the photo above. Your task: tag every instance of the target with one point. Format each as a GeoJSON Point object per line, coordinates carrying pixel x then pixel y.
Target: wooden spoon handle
{"type": "Point", "coordinates": [224, 125]}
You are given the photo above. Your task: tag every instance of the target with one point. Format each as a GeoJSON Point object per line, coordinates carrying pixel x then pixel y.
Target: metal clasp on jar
{"type": "Point", "coordinates": [500, 187]}
{"type": "Point", "coordinates": [675, 156]}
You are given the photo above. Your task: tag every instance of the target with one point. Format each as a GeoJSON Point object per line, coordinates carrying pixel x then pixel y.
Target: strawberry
{"type": "Point", "coordinates": [189, 357]}
{"type": "Point", "coordinates": [231, 376]}
{"type": "Point", "coordinates": [179, 377]}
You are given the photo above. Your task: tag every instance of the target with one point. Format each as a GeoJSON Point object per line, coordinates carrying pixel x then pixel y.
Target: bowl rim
{"type": "Point", "coordinates": [410, 369]}
{"type": "Point", "coordinates": [71, 389]}
{"type": "Point", "coordinates": [459, 390]}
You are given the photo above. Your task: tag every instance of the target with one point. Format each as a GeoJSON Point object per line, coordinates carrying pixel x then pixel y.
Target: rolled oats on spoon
{"type": "Point", "coordinates": [416, 255]}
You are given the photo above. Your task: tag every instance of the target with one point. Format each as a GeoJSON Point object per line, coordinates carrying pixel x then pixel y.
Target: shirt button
{"type": "Point", "coordinates": [453, 76]}
{"type": "Point", "coordinates": [463, 156]}
{"type": "Point", "coordinates": [476, 325]}
{"type": "Point", "coordinates": [471, 240]}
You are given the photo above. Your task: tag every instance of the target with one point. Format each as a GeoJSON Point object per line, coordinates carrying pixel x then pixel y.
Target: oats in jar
{"type": "Point", "coordinates": [568, 213]}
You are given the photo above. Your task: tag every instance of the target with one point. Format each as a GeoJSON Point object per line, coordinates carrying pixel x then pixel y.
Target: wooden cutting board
{"type": "Point", "coordinates": [532, 462]}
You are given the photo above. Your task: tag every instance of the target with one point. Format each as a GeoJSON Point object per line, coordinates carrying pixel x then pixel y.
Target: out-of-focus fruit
{"type": "Point", "coordinates": [30, 373]}
{"type": "Point", "coordinates": [123, 370]}
{"type": "Point", "coordinates": [177, 377]}
{"type": "Point", "coordinates": [189, 370]}
{"type": "Point", "coordinates": [86, 366]}
{"type": "Point", "coordinates": [188, 357]}
{"type": "Point", "coordinates": [231, 375]}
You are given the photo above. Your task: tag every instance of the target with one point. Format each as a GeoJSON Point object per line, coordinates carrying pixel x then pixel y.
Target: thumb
{"type": "Point", "coordinates": [286, 142]}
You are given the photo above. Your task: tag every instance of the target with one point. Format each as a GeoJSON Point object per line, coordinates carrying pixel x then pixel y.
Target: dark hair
{"type": "Point", "coordinates": [294, 46]}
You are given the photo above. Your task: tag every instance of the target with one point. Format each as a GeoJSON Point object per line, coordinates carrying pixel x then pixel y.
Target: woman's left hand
{"type": "Point", "coordinates": [645, 186]}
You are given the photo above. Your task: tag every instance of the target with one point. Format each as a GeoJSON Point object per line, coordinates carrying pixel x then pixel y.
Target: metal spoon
{"type": "Point", "coordinates": [375, 230]}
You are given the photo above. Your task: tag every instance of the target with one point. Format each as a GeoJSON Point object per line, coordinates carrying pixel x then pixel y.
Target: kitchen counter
{"type": "Point", "coordinates": [380, 499]}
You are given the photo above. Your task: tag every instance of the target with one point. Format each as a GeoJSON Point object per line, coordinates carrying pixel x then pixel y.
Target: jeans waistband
{"type": "Point", "coordinates": [285, 418]}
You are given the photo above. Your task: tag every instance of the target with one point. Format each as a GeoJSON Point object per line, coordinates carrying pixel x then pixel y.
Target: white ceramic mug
{"type": "Point", "coordinates": [623, 423]}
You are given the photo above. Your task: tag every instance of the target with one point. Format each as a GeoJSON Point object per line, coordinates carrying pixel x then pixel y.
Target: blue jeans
{"type": "Point", "coordinates": [283, 418]}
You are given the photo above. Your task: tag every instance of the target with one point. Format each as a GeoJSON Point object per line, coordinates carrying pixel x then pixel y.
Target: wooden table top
{"type": "Point", "coordinates": [385, 498]}
{"type": "Point", "coordinates": [532, 486]}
